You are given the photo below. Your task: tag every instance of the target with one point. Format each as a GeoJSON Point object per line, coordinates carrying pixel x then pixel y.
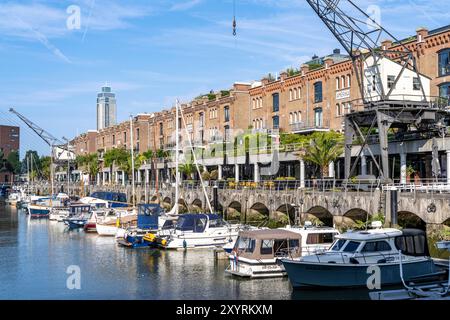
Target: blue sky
{"type": "Point", "coordinates": [152, 52]}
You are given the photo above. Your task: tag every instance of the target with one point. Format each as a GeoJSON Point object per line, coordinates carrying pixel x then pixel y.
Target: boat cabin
{"type": "Point", "coordinates": [78, 209]}
{"type": "Point", "coordinates": [268, 244]}
{"type": "Point", "coordinates": [115, 199]}
{"type": "Point", "coordinates": [411, 242]}
{"type": "Point", "coordinates": [198, 223]}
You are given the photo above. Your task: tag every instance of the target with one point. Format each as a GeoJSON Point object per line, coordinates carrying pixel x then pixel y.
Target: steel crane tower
{"type": "Point", "coordinates": [421, 116]}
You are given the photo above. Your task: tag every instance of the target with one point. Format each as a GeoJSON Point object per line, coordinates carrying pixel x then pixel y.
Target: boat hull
{"type": "Point", "coordinates": [255, 269]}
{"type": "Point", "coordinates": [38, 212]}
{"type": "Point", "coordinates": [106, 230]}
{"type": "Point", "coordinates": [198, 242]}
{"type": "Point", "coordinates": [304, 274]}
{"type": "Point", "coordinates": [90, 227]}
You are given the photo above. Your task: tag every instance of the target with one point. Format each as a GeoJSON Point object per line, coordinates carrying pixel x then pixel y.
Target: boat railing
{"type": "Point", "coordinates": [354, 258]}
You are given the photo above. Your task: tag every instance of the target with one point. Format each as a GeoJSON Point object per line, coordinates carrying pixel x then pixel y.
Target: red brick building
{"type": "Point", "coordinates": [9, 142]}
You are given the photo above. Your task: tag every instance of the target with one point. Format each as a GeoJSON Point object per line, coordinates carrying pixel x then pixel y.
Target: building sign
{"type": "Point", "coordinates": [343, 94]}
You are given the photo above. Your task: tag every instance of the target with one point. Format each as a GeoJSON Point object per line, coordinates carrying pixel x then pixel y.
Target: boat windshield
{"type": "Point", "coordinates": [338, 245]}
{"type": "Point", "coordinates": [217, 223]}
{"type": "Point", "coordinates": [192, 223]}
{"type": "Point", "coordinates": [351, 246]}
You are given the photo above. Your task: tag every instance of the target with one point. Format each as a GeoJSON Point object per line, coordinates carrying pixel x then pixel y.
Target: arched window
{"type": "Point", "coordinates": [295, 94]}
{"type": "Point", "coordinates": [299, 95]}
{"type": "Point", "coordinates": [254, 104]}
{"type": "Point", "coordinates": [337, 83]}
{"type": "Point", "coordinates": [290, 95]}
{"type": "Point", "coordinates": [290, 118]}
{"type": "Point", "coordinates": [299, 117]}
{"type": "Point", "coordinates": [338, 110]}
{"type": "Point", "coordinates": [343, 82]}
{"type": "Point", "coordinates": [349, 80]}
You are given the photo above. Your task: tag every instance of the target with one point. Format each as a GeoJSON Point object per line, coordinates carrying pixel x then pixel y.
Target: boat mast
{"type": "Point", "coordinates": [177, 156]}
{"type": "Point", "coordinates": [28, 173]}
{"type": "Point", "coordinates": [191, 147]}
{"type": "Point", "coordinates": [51, 175]}
{"type": "Point", "coordinates": [133, 190]}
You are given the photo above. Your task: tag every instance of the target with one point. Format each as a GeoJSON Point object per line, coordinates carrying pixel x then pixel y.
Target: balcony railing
{"type": "Point", "coordinates": [310, 126]}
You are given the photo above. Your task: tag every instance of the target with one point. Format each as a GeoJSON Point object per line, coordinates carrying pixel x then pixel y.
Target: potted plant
{"type": "Point", "coordinates": [409, 172]}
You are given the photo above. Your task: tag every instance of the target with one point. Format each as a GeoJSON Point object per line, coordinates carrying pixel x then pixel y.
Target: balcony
{"type": "Point", "coordinates": [309, 127]}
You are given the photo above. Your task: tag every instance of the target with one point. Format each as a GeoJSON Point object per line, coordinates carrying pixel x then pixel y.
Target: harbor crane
{"type": "Point", "coordinates": [399, 100]}
{"type": "Point", "coordinates": [54, 143]}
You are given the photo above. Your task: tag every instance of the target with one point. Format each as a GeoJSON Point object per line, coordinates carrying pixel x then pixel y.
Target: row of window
{"type": "Point", "coordinates": [343, 108]}
{"type": "Point", "coordinates": [213, 113]}
{"type": "Point", "coordinates": [295, 94]}
{"type": "Point", "coordinates": [258, 123]}
{"type": "Point", "coordinates": [343, 82]}
{"type": "Point", "coordinates": [295, 117]}
{"type": "Point", "coordinates": [257, 103]}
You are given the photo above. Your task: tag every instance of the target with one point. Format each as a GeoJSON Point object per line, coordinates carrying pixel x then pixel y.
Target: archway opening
{"type": "Point", "coordinates": [408, 219]}
{"type": "Point", "coordinates": [318, 215]}
{"type": "Point", "coordinates": [234, 211]}
{"type": "Point", "coordinates": [197, 205]}
{"type": "Point", "coordinates": [183, 207]}
{"type": "Point", "coordinates": [286, 213]}
{"type": "Point", "coordinates": [257, 212]}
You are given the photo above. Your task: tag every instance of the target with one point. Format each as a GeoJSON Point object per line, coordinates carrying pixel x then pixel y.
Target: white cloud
{"type": "Point", "coordinates": [185, 5]}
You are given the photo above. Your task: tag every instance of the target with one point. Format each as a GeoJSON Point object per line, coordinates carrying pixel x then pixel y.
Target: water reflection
{"type": "Point", "coordinates": [36, 254]}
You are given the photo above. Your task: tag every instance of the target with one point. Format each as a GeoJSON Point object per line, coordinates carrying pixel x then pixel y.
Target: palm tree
{"type": "Point", "coordinates": [188, 169]}
{"type": "Point", "coordinates": [324, 148]}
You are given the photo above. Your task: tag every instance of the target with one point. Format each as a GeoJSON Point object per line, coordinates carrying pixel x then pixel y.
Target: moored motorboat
{"type": "Point", "coordinates": [353, 257]}
{"type": "Point", "coordinates": [256, 253]}
{"type": "Point", "coordinates": [199, 231]}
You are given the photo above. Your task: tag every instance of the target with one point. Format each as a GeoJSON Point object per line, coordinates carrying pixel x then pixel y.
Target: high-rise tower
{"type": "Point", "coordinates": [106, 108]}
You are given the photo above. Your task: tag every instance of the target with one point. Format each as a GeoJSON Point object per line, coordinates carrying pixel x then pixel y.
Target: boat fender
{"type": "Point", "coordinates": [184, 244]}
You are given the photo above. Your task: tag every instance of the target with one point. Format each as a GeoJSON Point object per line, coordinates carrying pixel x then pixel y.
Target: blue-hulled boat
{"type": "Point", "coordinates": [115, 199]}
{"type": "Point", "coordinates": [353, 257]}
{"type": "Point", "coordinates": [41, 207]}
{"type": "Point", "coordinates": [76, 222]}
{"type": "Point", "coordinates": [150, 220]}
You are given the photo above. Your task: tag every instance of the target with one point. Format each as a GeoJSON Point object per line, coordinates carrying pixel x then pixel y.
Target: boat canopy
{"type": "Point", "coordinates": [148, 215]}
{"type": "Point", "coordinates": [268, 244]}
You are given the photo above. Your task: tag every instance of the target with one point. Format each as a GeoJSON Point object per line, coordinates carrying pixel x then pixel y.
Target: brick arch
{"type": "Point", "coordinates": [260, 208]}
{"type": "Point", "coordinates": [287, 210]}
{"type": "Point", "coordinates": [356, 214]}
{"type": "Point", "coordinates": [320, 213]}
{"type": "Point", "coordinates": [407, 219]}
{"type": "Point", "coordinates": [197, 203]}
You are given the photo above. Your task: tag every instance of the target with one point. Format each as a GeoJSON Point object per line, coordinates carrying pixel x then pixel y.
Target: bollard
{"type": "Point", "coordinates": [394, 207]}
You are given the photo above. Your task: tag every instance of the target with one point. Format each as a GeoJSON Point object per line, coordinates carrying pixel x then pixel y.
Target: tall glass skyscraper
{"type": "Point", "coordinates": [106, 108]}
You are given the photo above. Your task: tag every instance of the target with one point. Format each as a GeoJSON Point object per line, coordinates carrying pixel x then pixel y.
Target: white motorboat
{"type": "Point", "coordinates": [353, 257]}
{"type": "Point", "coordinates": [257, 252]}
{"type": "Point", "coordinates": [199, 231]}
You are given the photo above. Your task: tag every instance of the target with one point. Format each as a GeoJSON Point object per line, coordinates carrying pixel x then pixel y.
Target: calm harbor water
{"type": "Point", "coordinates": [35, 255]}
